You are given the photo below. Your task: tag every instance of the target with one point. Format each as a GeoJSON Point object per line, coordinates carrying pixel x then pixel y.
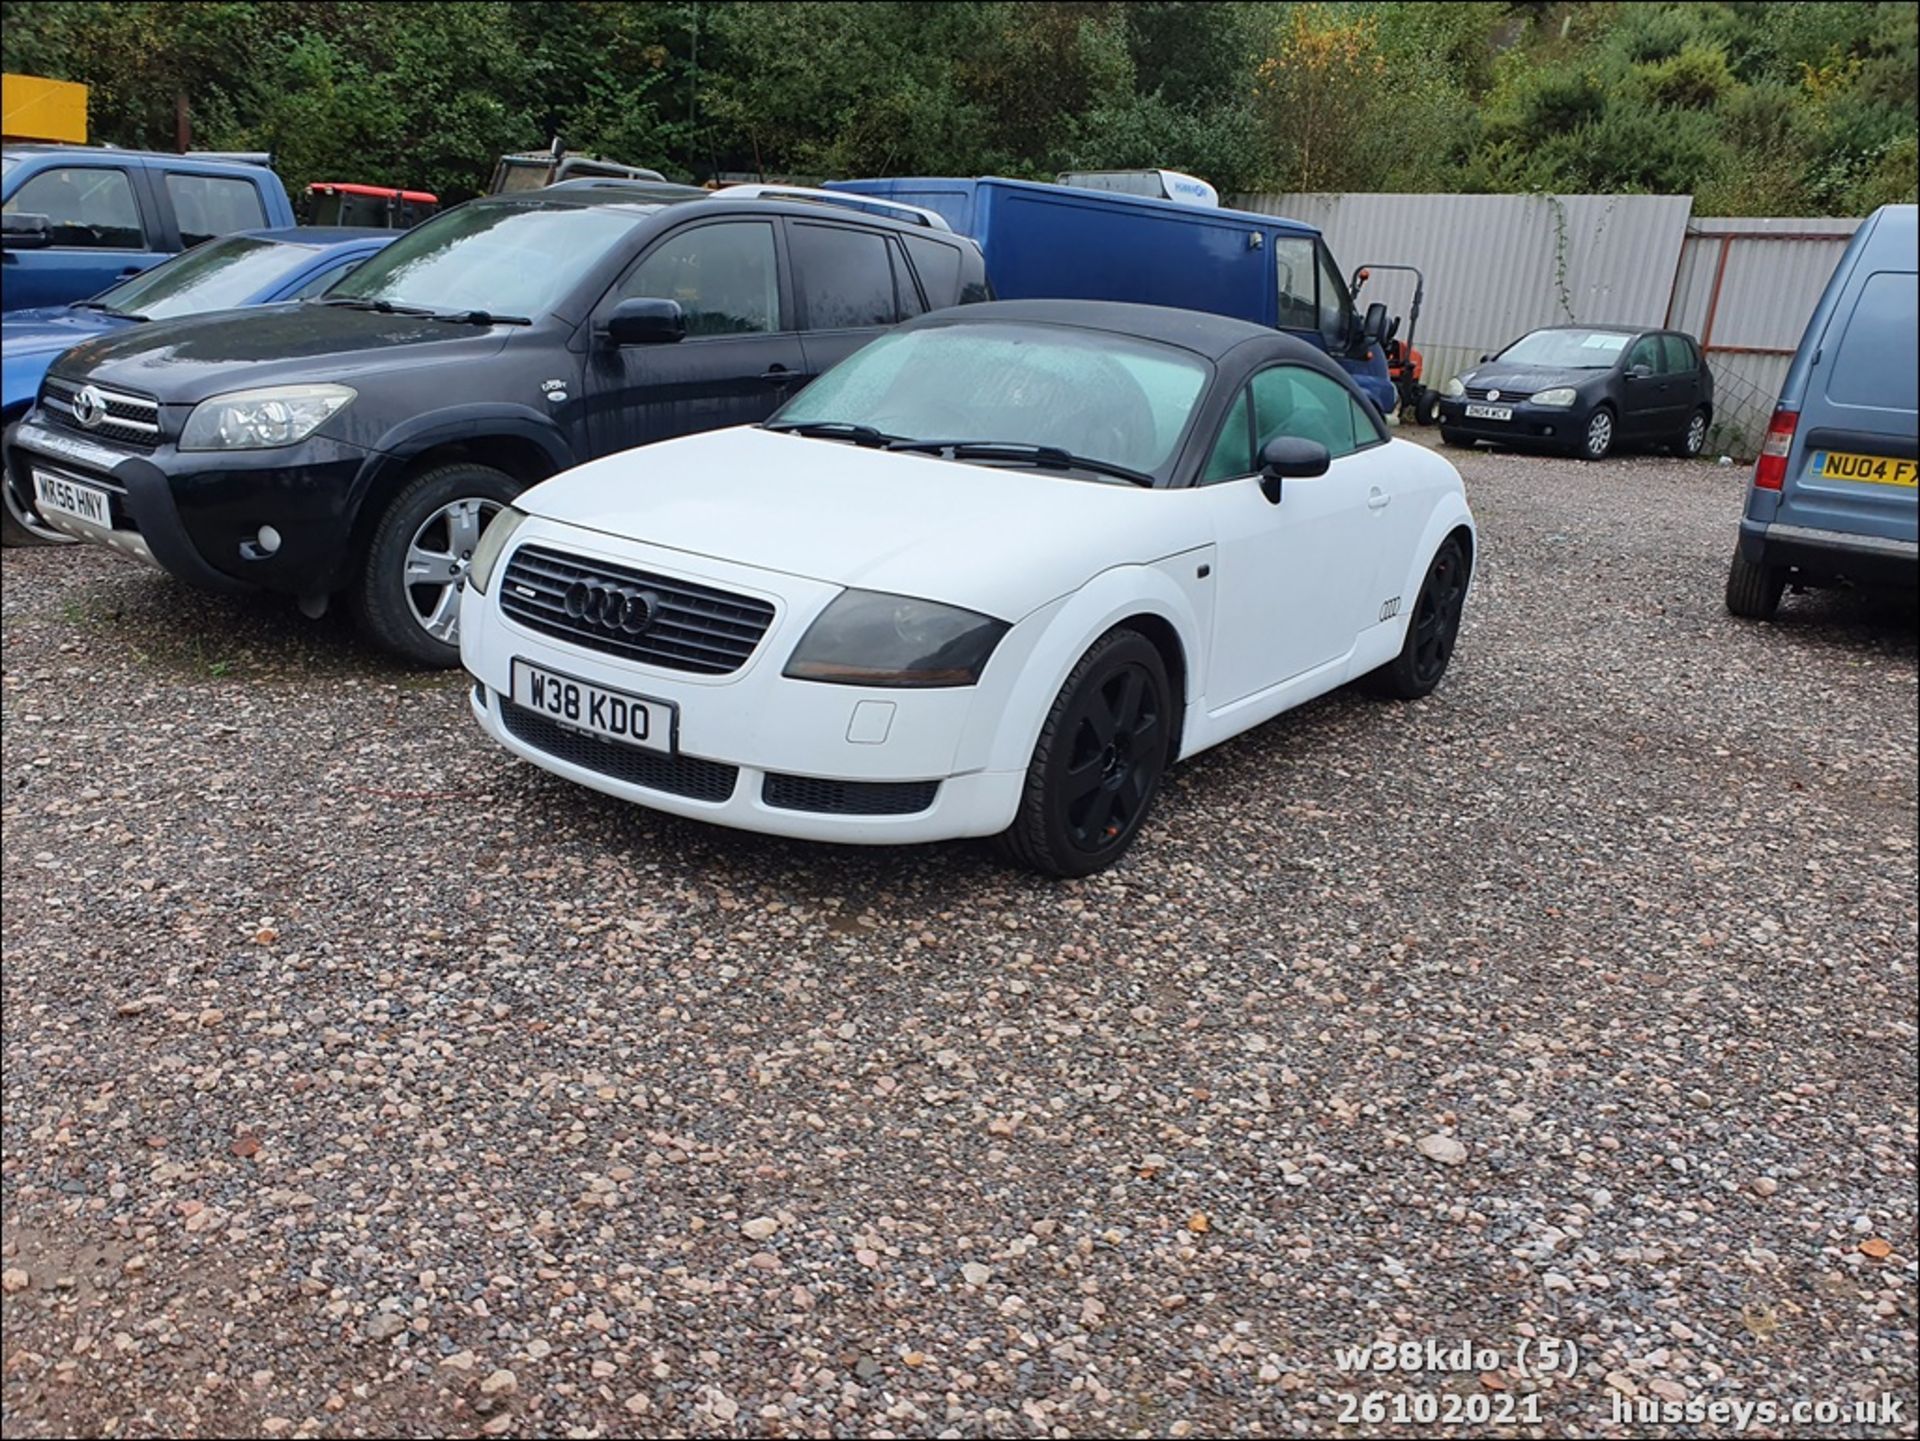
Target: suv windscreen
{"type": "Point", "coordinates": [213, 276]}
{"type": "Point", "coordinates": [512, 259]}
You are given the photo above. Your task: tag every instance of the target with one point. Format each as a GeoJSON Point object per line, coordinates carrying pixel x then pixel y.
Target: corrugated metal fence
{"type": "Point", "coordinates": [1497, 266]}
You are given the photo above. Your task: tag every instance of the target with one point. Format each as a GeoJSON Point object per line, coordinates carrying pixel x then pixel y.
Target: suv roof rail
{"type": "Point", "coordinates": [850, 200]}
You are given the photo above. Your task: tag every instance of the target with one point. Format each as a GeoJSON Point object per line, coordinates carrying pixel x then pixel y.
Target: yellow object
{"type": "Point", "coordinates": [37, 109]}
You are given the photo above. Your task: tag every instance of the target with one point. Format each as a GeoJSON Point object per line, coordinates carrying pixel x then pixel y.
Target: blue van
{"type": "Point", "coordinates": [1058, 242]}
{"type": "Point", "coordinates": [1833, 495]}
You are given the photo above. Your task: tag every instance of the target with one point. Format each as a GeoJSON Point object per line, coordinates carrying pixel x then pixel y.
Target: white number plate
{"type": "Point", "coordinates": [1489, 412]}
{"type": "Point", "coordinates": [614, 715]}
{"type": "Point", "coordinates": [70, 497]}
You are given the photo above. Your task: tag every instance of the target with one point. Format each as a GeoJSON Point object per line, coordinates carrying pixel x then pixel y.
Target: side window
{"type": "Point", "coordinates": [723, 275]}
{"type": "Point", "coordinates": [1646, 351]}
{"type": "Point", "coordinates": [843, 277]}
{"type": "Point", "coordinates": [1366, 430]}
{"type": "Point", "coordinates": [88, 207]}
{"type": "Point", "coordinates": [1289, 400]}
{"type": "Point", "coordinates": [1293, 262]}
{"type": "Point", "coordinates": [939, 267]}
{"type": "Point", "coordinates": [210, 205]}
{"type": "Point", "coordinates": [1681, 359]}
{"type": "Point", "coordinates": [1233, 451]}
{"type": "Point", "coordinates": [908, 294]}
{"type": "Point", "coordinates": [321, 281]}
{"type": "Point", "coordinates": [1336, 306]}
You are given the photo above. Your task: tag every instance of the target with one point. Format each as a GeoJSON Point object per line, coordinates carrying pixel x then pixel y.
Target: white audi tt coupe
{"type": "Point", "coordinates": [989, 576]}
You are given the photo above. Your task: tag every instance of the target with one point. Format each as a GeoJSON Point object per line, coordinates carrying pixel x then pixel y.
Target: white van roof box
{"type": "Point", "coordinates": [1160, 184]}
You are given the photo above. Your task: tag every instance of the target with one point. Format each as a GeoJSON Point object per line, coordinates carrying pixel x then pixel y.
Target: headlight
{"type": "Point", "coordinates": [493, 544]}
{"type": "Point", "coordinates": [262, 419]}
{"type": "Point", "coordinates": [1454, 388]}
{"type": "Point", "coordinates": [867, 638]}
{"type": "Point", "coordinates": [1562, 396]}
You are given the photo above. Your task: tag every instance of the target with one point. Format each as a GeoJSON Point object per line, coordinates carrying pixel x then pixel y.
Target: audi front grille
{"type": "Point", "coordinates": [633, 614]}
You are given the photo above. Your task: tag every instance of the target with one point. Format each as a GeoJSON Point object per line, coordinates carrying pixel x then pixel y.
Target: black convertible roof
{"type": "Point", "coordinates": [1212, 336]}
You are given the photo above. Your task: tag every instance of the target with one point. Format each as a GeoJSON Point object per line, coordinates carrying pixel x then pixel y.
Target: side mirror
{"type": "Point", "coordinates": [1485, 358]}
{"type": "Point", "coordinates": [1375, 325]}
{"type": "Point", "coordinates": [26, 232]}
{"type": "Point", "coordinates": [646, 322]}
{"type": "Point", "coordinates": [1639, 372]}
{"type": "Point", "coordinates": [1288, 457]}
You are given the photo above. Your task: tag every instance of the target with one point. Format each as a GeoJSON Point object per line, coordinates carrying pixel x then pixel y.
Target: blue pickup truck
{"type": "Point", "coordinates": [1066, 242]}
{"type": "Point", "coordinates": [76, 220]}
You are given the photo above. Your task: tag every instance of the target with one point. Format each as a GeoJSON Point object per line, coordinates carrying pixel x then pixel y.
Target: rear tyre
{"type": "Point", "coordinates": [406, 598]}
{"type": "Point", "coordinates": [1753, 591]}
{"type": "Point", "coordinates": [1097, 765]}
{"type": "Point", "coordinates": [19, 526]}
{"type": "Point", "coordinates": [1693, 439]}
{"type": "Point", "coordinates": [1426, 407]}
{"type": "Point", "coordinates": [1432, 630]}
{"type": "Point", "coordinates": [1596, 442]}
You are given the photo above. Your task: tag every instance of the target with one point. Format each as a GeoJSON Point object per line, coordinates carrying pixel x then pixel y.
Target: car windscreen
{"type": "Point", "coordinates": [1111, 398]}
{"type": "Point", "coordinates": [508, 259]}
{"type": "Point", "coordinates": [1567, 349]}
{"type": "Point", "coordinates": [213, 276]}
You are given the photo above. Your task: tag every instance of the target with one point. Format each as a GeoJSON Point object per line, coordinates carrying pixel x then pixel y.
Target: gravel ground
{"type": "Point", "coordinates": [361, 1081]}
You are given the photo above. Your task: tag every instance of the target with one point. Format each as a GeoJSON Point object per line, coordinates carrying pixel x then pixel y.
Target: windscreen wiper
{"type": "Point", "coordinates": [838, 430]}
{"type": "Point", "coordinates": [1050, 457]}
{"type": "Point", "coordinates": [384, 307]}
{"type": "Point", "coordinates": [109, 310]}
{"type": "Point", "coordinates": [476, 317]}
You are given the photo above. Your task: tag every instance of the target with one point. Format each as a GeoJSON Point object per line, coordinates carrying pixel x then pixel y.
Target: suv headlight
{"type": "Point", "coordinates": [865, 637]}
{"type": "Point", "coordinates": [1454, 388]}
{"type": "Point", "coordinates": [1563, 395]}
{"type": "Point", "coordinates": [262, 419]}
{"type": "Point", "coordinates": [493, 544]}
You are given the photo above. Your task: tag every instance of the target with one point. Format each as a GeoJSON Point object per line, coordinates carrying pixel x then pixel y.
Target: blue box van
{"type": "Point", "coordinates": [1058, 242]}
{"type": "Point", "coordinates": [1833, 494]}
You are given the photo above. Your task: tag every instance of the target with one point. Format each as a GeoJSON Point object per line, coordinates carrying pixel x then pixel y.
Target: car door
{"type": "Point", "coordinates": [1644, 384]}
{"type": "Point", "coordinates": [101, 233]}
{"type": "Point", "coordinates": [741, 356]}
{"type": "Point", "coordinates": [1295, 579]}
{"type": "Point", "coordinates": [851, 283]}
{"type": "Point", "coordinates": [1685, 381]}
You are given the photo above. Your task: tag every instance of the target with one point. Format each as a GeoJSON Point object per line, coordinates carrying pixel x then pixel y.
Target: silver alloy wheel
{"type": "Point", "coordinates": [1599, 433]}
{"type": "Point", "coordinates": [437, 560]}
{"type": "Point", "coordinates": [29, 521]}
{"type": "Point", "coordinates": [1697, 433]}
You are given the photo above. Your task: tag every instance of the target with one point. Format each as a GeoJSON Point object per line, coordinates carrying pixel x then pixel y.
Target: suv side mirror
{"type": "Point", "coordinates": [1375, 325]}
{"type": "Point", "coordinates": [1288, 457]}
{"type": "Point", "coordinates": [1485, 358]}
{"type": "Point", "coordinates": [26, 232]}
{"type": "Point", "coordinates": [646, 322]}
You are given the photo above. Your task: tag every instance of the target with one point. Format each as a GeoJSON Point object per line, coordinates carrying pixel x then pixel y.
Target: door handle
{"type": "Point", "coordinates": [776, 372]}
{"type": "Point", "coordinates": [129, 273]}
{"type": "Point", "coordinates": [1378, 499]}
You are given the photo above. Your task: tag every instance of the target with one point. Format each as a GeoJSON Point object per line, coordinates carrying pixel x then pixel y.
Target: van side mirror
{"type": "Point", "coordinates": [1375, 325]}
{"type": "Point", "coordinates": [1289, 457]}
{"type": "Point", "coordinates": [643, 321]}
{"type": "Point", "coordinates": [26, 232]}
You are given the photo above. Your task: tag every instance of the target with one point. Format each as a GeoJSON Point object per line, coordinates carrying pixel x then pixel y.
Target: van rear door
{"type": "Point", "coordinates": [1855, 449]}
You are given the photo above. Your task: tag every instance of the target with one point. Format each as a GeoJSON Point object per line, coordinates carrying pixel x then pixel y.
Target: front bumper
{"type": "Point", "coordinates": [1556, 427]}
{"type": "Point", "coordinates": [754, 749]}
{"type": "Point", "coordinates": [197, 514]}
{"type": "Point", "coordinates": [1868, 560]}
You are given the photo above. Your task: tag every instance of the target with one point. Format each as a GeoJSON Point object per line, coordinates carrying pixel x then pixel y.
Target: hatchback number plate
{"type": "Point", "coordinates": [1873, 469]}
{"type": "Point", "coordinates": [70, 497]}
{"type": "Point", "coordinates": [613, 715]}
{"type": "Point", "coordinates": [1489, 412]}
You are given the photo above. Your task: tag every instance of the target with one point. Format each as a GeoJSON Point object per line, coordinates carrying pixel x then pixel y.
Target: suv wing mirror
{"type": "Point", "coordinates": [646, 322]}
{"type": "Point", "coordinates": [1288, 457]}
{"type": "Point", "coordinates": [26, 232]}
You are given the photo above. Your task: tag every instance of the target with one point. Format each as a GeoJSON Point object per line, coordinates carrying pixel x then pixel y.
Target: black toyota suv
{"type": "Point", "coordinates": [357, 444]}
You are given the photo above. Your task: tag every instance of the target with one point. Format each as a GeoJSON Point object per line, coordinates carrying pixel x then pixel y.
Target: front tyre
{"type": "Point", "coordinates": [1596, 443]}
{"type": "Point", "coordinates": [407, 596]}
{"type": "Point", "coordinates": [1753, 591]}
{"type": "Point", "coordinates": [1098, 762]}
{"type": "Point", "coordinates": [1432, 630]}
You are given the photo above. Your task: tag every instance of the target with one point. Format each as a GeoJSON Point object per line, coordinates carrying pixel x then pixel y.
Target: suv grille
{"type": "Point", "coordinates": [848, 798]}
{"type": "Point", "coordinates": [689, 776]}
{"type": "Point", "coordinates": [132, 420]}
{"type": "Point", "coordinates": [687, 627]}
